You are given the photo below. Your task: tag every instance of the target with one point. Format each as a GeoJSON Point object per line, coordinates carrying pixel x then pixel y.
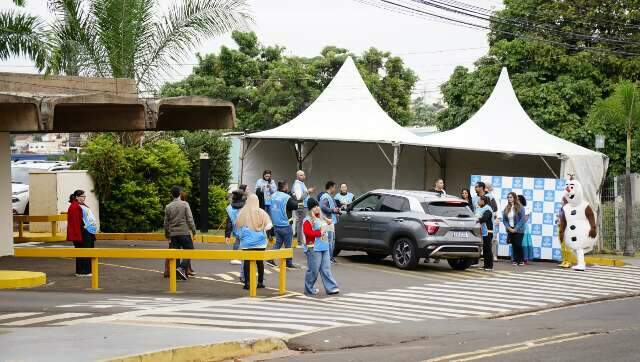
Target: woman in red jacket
{"type": "Point", "coordinates": [74, 231]}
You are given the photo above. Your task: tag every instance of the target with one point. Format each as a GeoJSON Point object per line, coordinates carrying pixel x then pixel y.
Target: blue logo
{"type": "Point", "coordinates": [536, 229]}
{"type": "Point", "coordinates": [505, 193]}
{"type": "Point", "coordinates": [528, 194]}
{"type": "Point", "coordinates": [556, 253]}
{"type": "Point", "coordinates": [560, 185]}
{"type": "Point", "coordinates": [538, 184]}
{"type": "Point", "coordinates": [547, 242]}
{"type": "Point", "coordinates": [555, 230]}
{"type": "Point", "coordinates": [496, 181]}
{"type": "Point", "coordinates": [502, 238]}
{"type": "Point", "coordinates": [547, 219]}
{"type": "Point", "coordinates": [475, 179]}
{"type": "Point", "coordinates": [537, 206]}
{"type": "Point", "coordinates": [557, 207]}
{"type": "Point", "coordinates": [517, 183]}
{"type": "Point", "coordinates": [537, 254]}
{"type": "Point", "coordinates": [550, 196]}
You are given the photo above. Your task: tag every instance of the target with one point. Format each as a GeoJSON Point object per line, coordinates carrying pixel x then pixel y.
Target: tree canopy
{"type": "Point", "coordinates": [269, 88]}
{"type": "Point", "coordinates": [562, 57]}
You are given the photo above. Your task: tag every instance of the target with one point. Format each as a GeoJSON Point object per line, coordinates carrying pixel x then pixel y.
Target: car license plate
{"type": "Point", "coordinates": [461, 234]}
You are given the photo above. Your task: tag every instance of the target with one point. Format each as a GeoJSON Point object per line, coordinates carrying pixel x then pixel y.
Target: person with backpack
{"type": "Point", "coordinates": [237, 202]}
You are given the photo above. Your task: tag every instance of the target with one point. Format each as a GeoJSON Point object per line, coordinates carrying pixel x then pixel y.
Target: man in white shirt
{"type": "Point", "coordinates": [301, 193]}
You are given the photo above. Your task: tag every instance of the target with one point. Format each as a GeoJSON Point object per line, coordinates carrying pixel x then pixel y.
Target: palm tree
{"type": "Point", "coordinates": [623, 107]}
{"type": "Point", "coordinates": [23, 35]}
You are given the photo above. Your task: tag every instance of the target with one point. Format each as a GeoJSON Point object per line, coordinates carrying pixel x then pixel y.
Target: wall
{"type": "Point", "coordinates": [6, 220]}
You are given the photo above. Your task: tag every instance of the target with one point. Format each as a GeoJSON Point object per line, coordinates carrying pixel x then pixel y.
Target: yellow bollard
{"type": "Point", "coordinates": [54, 228]}
{"type": "Point", "coordinates": [283, 276]}
{"type": "Point", "coordinates": [172, 275]}
{"type": "Point", "coordinates": [253, 286]}
{"type": "Point", "coordinates": [20, 229]}
{"type": "Point", "coordinates": [95, 277]}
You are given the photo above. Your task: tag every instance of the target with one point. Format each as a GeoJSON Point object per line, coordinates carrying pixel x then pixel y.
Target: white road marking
{"type": "Point", "coordinates": [44, 319]}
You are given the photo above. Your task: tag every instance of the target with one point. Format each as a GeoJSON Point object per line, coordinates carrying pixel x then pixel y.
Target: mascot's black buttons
{"type": "Point", "coordinates": [572, 227]}
{"type": "Point", "coordinates": [573, 212]}
{"type": "Point", "coordinates": [574, 239]}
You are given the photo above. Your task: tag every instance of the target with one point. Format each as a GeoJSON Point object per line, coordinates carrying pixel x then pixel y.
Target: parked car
{"type": "Point", "coordinates": [409, 225]}
{"type": "Point", "coordinates": [20, 181]}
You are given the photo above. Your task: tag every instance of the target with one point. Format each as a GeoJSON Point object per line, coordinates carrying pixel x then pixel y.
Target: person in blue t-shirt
{"type": "Point", "coordinates": [238, 198]}
{"type": "Point", "coordinates": [330, 210]}
{"type": "Point", "coordinates": [282, 205]}
{"type": "Point", "coordinates": [344, 198]}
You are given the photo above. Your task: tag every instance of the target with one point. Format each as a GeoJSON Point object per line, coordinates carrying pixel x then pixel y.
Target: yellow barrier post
{"type": "Point", "coordinates": [283, 276]}
{"type": "Point", "coordinates": [54, 228]}
{"type": "Point", "coordinates": [252, 279]}
{"type": "Point", "coordinates": [172, 275]}
{"type": "Point", "coordinates": [20, 228]}
{"type": "Point", "coordinates": [95, 276]}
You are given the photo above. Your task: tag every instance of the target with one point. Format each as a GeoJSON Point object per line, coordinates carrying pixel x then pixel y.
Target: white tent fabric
{"type": "Point", "coordinates": [502, 125]}
{"type": "Point", "coordinates": [345, 111]}
{"type": "Point", "coordinates": [345, 136]}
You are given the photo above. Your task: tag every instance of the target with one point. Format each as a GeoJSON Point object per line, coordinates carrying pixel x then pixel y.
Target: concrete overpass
{"type": "Point", "coordinates": [37, 104]}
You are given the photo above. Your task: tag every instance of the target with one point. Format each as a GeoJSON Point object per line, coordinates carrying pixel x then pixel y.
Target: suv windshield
{"type": "Point", "coordinates": [447, 209]}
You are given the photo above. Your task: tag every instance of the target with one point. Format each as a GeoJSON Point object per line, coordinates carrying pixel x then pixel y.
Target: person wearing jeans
{"type": "Point", "coordinates": [330, 210]}
{"type": "Point", "coordinates": [76, 232]}
{"type": "Point", "coordinates": [179, 228]}
{"type": "Point", "coordinates": [237, 202]}
{"type": "Point", "coordinates": [317, 250]}
{"type": "Point", "coordinates": [484, 213]}
{"type": "Point", "coordinates": [301, 193]}
{"type": "Point", "coordinates": [282, 205]}
{"type": "Point", "coordinates": [252, 225]}
{"type": "Point", "coordinates": [514, 219]}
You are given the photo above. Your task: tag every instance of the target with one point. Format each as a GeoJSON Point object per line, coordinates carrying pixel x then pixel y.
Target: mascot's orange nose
{"type": "Point", "coordinates": [567, 189]}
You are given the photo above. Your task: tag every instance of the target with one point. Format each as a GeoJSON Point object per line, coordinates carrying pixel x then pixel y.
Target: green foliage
{"type": "Point", "coordinates": [269, 88]}
{"type": "Point", "coordinates": [614, 117]}
{"type": "Point", "coordinates": [132, 183]}
{"type": "Point", "coordinates": [557, 85]}
{"type": "Point", "coordinates": [424, 113]}
{"type": "Point", "coordinates": [22, 35]}
{"type": "Point", "coordinates": [218, 200]}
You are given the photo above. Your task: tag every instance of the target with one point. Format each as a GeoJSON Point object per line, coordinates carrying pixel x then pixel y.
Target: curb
{"type": "Point", "coordinates": [563, 305]}
{"type": "Point", "coordinates": [591, 260]}
{"type": "Point", "coordinates": [14, 279]}
{"type": "Point", "coordinates": [208, 352]}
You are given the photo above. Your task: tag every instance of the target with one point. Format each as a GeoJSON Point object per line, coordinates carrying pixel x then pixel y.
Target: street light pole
{"type": "Point", "coordinates": [629, 248]}
{"type": "Point", "coordinates": [204, 192]}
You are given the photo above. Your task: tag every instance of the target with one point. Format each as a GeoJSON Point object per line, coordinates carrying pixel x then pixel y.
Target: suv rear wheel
{"type": "Point", "coordinates": [461, 263]}
{"type": "Point", "coordinates": [376, 256]}
{"type": "Point", "coordinates": [405, 254]}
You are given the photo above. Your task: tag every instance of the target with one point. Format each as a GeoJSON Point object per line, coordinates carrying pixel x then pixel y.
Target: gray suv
{"type": "Point", "coordinates": [411, 225]}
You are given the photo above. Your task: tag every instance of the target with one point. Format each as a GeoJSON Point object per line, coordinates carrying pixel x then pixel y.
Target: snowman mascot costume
{"type": "Point", "coordinates": [578, 223]}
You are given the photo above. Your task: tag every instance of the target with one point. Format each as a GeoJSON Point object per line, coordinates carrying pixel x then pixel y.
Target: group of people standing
{"type": "Point", "coordinates": [514, 216]}
{"type": "Point", "coordinates": [268, 212]}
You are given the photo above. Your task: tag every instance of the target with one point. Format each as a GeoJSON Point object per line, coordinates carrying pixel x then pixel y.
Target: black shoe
{"type": "Point", "coordinates": [246, 286]}
{"type": "Point", "coordinates": [180, 274]}
{"type": "Point", "coordinates": [333, 260]}
{"type": "Point", "coordinates": [270, 262]}
{"type": "Point", "coordinates": [261, 286]}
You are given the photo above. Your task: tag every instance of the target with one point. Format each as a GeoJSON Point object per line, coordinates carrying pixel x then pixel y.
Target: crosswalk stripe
{"type": "Point", "coordinates": [234, 323]}
{"type": "Point", "coordinates": [450, 302]}
{"type": "Point", "coordinates": [267, 271]}
{"type": "Point", "coordinates": [391, 314]}
{"type": "Point", "coordinates": [610, 275]}
{"type": "Point", "coordinates": [523, 289]}
{"type": "Point", "coordinates": [302, 313]}
{"type": "Point", "coordinates": [499, 291]}
{"type": "Point", "coordinates": [582, 282]}
{"type": "Point", "coordinates": [539, 285]}
{"type": "Point", "coordinates": [269, 318]}
{"type": "Point", "coordinates": [225, 276]}
{"type": "Point", "coordinates": [18, 315]}
{"type": "Point", "coordinates": [480, 292]}
{"type": "Point", "coordinates": [623, 271]}
{"type": "Point", "coordinates": [235, 274]}
{"type": "Point", "coordinates": [596, 276]}
{"type": "Point", "coordinates": [423, 295]}
{"type": "Point", "coordinates": [465, 307]}
{"type": "Point", "coordinates": [44, 319]}
{"type": "Point", "coordinates": [447, 312]}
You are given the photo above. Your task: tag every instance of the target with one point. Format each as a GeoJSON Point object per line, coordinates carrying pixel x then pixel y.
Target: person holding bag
{"type": "Point", "coordinates": [252, 224]}
{"type": "Point", "coordinates": [514, 220]}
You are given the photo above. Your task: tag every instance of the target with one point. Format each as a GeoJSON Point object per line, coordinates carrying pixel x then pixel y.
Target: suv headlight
{"type": "Point", "coordinates": [15, 199]}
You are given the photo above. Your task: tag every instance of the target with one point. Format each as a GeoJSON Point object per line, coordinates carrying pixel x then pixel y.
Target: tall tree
{"type": "Point", "coordinates": [562, 57]}
{"type": "Point", "coordinates": [269, 88]}
{"type": "Point", "coordinates": [621, 110]}
{"type": "Point", "coordinates": [23, 35]}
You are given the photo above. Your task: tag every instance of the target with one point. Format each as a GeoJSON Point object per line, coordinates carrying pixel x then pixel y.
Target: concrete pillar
{"type": "Point", "coordinates": [6, 214]}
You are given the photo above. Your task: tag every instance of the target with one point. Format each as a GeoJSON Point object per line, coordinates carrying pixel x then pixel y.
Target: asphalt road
{"type": "Point", "coordinates": [605, 331]}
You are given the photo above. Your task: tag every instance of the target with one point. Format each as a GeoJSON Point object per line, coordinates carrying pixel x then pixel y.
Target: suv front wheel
{"type": "Point", "coordinates": [405, 254]}
{"type": "Point", "coordinates": [461, 263]}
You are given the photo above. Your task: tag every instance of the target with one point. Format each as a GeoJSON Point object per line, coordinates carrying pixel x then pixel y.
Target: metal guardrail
{"type": "Point", "coordinates": [171, 254]}
{"type": "Point", "coordinates": [53, 219]}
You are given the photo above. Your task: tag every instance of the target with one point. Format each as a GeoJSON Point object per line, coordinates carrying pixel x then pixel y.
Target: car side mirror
{"type": "Point", "coordinates": [349, 208]}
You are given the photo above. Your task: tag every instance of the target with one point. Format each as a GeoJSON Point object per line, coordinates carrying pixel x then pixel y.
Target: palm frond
{"type": "Point", "coordinates": [19, 2]}
{"type": "Point", "coordinates": [183, 28]}
{"type": "Point", "coordinates": [23, 35]}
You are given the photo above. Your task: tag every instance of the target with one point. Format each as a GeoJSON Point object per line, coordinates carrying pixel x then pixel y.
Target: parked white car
{"type": "Point", "coordinates": [20, 181]}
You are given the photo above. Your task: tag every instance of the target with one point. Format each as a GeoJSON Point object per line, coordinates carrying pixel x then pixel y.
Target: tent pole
{"type": "Point", "coordinates": [242, 148]}
{"type": "Point", "coordinates": [299, 158]}
{"type": "Point", "coordinates": [396, 155]}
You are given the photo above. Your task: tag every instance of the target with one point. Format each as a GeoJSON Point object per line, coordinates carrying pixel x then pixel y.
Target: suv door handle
{"type": "Point", "coordinates": [366, 218]}
{"type": "Point", "coordinates": [398, 219]}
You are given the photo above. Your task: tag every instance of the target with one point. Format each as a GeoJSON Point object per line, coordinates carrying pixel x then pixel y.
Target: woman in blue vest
{"type": "Point", "coordinates": [237, 202]}
{"type": "Point", "coordinates": [252, 225]}
{"type": "Point", "coordinates": [315, 228]}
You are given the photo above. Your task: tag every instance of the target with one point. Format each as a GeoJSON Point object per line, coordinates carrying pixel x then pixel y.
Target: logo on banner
{"type": "Point", "coordinates": [517, 183]}
{"type": "Point", "coordinates": [547, 219]}
{"type": "Point", "coordinates": [536, 253]}
{"type": "Point", "coordinates": [549, 196]}
{"type": "Point", "coordinates": [528, 194]}
{"type": "Point", "coordinates": [547, 242]}
{"type": "Point", "coordinates": [537, 206]}
{"type": "Point", "coordinates": [556, 253]}
{"type": "Point", "coordinates": [505, 193]}
{"type": "Point", "coordinates": [503, 238]}
{"type": "Point", "coordinates": [475, 179]}
{"type": "Point", "coordinates": [538, 184]}
{"type": "Point", "coordinates": [536, 229]}
{"type": "Point", "coordinates": [496, 181]}
{"type": "Point", "coordinates": [557, 207]}
{"type": "Point", "coordinates": [560, 185]}
{"type": "Point", "coordinates": [555, 230]}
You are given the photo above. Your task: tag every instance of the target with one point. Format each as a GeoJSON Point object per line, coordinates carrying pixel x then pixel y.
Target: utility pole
{"type": "Point", "coordinates": [629, 248]}
{"type": "Point", "coordinates": [204, 192]}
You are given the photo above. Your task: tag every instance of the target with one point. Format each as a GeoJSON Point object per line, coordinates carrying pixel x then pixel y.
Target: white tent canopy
{"type": "Point", "coordinates": [501, 125]}
{"type": "Point", "coordinates": [343, 135]}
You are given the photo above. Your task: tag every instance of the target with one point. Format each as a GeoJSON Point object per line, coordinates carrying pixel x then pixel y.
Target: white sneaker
{"type": "Point", "coordinates": [235, 262]}
{"type": "Point", "coordinates": [84, 275]}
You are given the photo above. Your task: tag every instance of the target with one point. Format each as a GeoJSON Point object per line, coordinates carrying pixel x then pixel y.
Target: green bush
{"type": "Point", "coordinates": [218, 200]}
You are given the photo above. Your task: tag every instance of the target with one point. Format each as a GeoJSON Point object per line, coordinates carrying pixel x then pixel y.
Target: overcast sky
{"type": "Point", "coordinates": [428, 46]}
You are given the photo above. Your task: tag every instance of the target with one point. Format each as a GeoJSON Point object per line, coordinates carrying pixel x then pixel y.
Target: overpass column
{"type": "Point", "coordinates": [6, 213]}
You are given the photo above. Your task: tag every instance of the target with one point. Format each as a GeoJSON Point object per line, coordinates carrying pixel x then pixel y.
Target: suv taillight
{"type": "Point", "coordinates": [431, 226]}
